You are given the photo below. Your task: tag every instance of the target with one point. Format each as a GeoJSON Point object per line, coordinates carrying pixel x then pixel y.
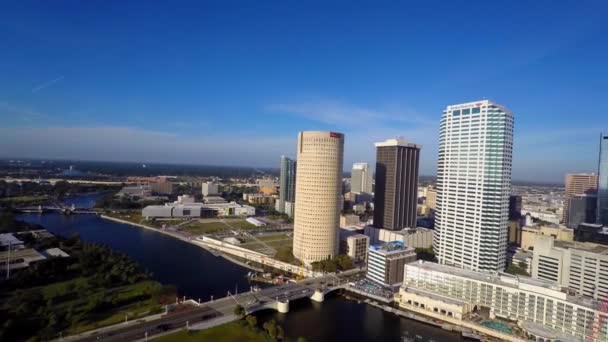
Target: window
{"type": "Point", "coordinates": [475, 110]}
{"type": "Point", "coordinates": [466, 111]}
{"type": "Point", "coordinates": [456, 113]}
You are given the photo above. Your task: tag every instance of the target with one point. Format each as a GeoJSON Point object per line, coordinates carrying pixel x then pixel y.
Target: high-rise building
{"type": "Point", "coordinates": [602, 194]}
{"type": "Point", "coordinates": [581, 209]}
{"type": "Point", "coordinates": [361, 179]}
{"type": "Point", "coordinates": [431, 198]}
{"type": "Point", "coordinates": [396, 192]}
{"type": "Point", "coordinates": [578, 184]}
{"type": "Point", "coordinates": [514, 207]}
{"type": "Point", "coordinates": [318, 195]}
{"type": "Point", "coordinates": [473, 185]}
{"type": "Point", "coordinates": [287, 190]}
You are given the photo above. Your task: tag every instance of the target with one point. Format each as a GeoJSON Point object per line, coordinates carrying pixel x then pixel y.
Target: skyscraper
{"type": "Point", "coordinates": [578, 184]}
{"type": "Point", "coordinates": [287, 190]}
{"type": "Point", "coordinates": [361, 178]}
{"type": "Point", "coordinates": [396, 194]}
{"type": "Point", "coordinates": [602, 193]}
{"type": "Point", "coordinates": [473, 185]}
{"type": "Point", "coordinates": [318, 194]}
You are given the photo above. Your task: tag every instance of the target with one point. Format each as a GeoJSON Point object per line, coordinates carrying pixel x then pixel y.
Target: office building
{"type": "Point", "coordinates": [318, 195]}
{"type": "Point", "coordinates": [356, 247]}
{"type": "Point", "coordinates": [578, 184]}
{"type": "Point", "coordinates": [582, 267]}
{"type": "Point", "coordinates": [581, 209]}
{"type": "Point", "coordinates": [514, 207]}
{"type": "Point", "coordinates": [396, 194]}
{"type": "Point", "coordinates": [412, 237]}
{"type": "Point", "coordinates": [591, 232]}
{"type": "Point", "coordinates": [267, 186]}
{"type": "Point", "coordinates": [209, 189]}
{"type": "Point", "coordinates": [602, 193]}
{"type": "Point", "coordinates": [162, 187]}
{"type": "Point", "coordinates": [287, 187]}
{"type": "Point", "coordinates": [361, 179]}
{"type": "Point", "coordinates": [349, 220]}
{"type": "Point", "coordinates": [385, 262]}
{"type": "Point", "coordinates": [542, 309]}
{"type": "Point", "coordinates": [431, 198]}
{"type": "Point", "coordinates": [529, 234]}
{"type": "Point", "coordinates": [473, 185]}
{"type": "Point", "coordinates": [515, 233]}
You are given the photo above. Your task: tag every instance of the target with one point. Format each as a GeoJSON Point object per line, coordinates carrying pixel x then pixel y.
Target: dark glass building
{"type": "Point", "coordinates": [396, 191]}
{"type": "Point", "coordinates": [602, 189]}
{"type": "Point", "coordinates": [581, 209]}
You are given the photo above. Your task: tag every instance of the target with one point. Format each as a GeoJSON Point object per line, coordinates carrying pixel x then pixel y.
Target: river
{"type": "Point", "coordinates": [198, 274]}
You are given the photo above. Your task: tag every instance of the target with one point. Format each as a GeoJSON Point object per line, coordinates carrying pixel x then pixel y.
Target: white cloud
{"type": "Point", "coordinates": [342, 114]}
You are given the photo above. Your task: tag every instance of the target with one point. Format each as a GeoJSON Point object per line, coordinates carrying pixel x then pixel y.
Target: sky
{"type": "Point", "coordinates": [231, 83]}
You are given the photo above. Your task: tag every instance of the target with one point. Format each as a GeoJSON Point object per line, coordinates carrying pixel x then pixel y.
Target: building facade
{"type": "Point", "coordinates": [473, 185]}
{"type": "Point", "coordinates": [318, 195]}
{"type": "Point", "coordinates": [582, 267]}
{"type": "Point", "coordinates": [578, 184]}
{"type": "Point", "coordinates": [287, 187]}
{"type": "Point", "coordinates": [412, 237]}
{"type": "Point", "coordinates": [396, 193]}
{"type": "Point", "coordinates": [581, 209]}
{"type": "Point", "coordinates": [514, 207]}
{"type": "Point", "coordinates": [209, 189]}
{"type": "Point", "coordinates": [541, 308]}
{"type": "Point", "coordinates": [602, 193]}
{"type": "Point", "coordinates": [530, 233]}
{"type": "Point", "coordinates": [361, 178]}
{"type": "Point", "coordinates": [385, 262]}
{"type": "Point", "coordinates": [357, 246]}
{"type": "Point", "coordinates": [431, 198]}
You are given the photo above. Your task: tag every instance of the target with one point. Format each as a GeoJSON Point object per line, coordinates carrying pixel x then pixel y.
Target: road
{"type": "Point", "coordinates": [141, 330]}
{"type": "Point", "coordinates": [251, 301]}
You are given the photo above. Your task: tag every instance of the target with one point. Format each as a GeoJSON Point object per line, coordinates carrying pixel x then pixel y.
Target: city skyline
{"type": "Point", "coordinates": [172, 95]}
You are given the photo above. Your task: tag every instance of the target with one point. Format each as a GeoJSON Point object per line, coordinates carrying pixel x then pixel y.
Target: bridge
{"type": "Point", "coordinates": [57, 207]}
{"type": "Point", "coordinates": [218, 311]}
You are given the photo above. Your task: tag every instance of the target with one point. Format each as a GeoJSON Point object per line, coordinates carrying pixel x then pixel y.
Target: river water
{"type": "Point", "coordinates": [198, 274]}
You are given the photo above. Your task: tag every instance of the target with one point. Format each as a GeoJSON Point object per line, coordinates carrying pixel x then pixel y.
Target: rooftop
{"type": "Point", "coordinates": [582, 246]}
{"type": "Point", "coordinates": [389, 247]}
{"type": "Point", "coordinates": [396, 142]}
{"type": "Point", "coordinates": [9, 239]}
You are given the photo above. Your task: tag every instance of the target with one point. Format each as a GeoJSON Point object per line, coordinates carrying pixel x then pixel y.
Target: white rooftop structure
{"type": "Point", "coordinates": [395, 142]}
{"type": "Point", "coordinates": [9, 239]}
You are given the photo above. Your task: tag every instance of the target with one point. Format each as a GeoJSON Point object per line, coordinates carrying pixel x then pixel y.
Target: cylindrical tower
{"type": "Point", "coordinates": [318, 192]}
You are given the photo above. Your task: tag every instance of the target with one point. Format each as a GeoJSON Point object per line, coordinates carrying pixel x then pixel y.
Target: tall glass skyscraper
{"type": "Point", "coordinates": [602, 189]}
{"type": "Point", "coordinates": [287, 190]}
{"type": "Point", "coordinates": [361, 178]}
{"type": "Point", "coordinates": [473, 185]}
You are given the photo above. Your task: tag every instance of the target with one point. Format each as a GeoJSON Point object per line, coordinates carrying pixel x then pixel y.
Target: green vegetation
{"type": "Point", "coordinates": [518, 269]}
{"type": "Point", "coordinates": [223, 333]}
{"type": "Point", "coordinates": [340, 262]}
{"type": "Point", "coordinates": [110, 201]}
{"type": "Point", "coordinates": [35, 193]}
{"type": "Point", "coordinates": [199, 228]}
{"type": "Point", "coordinates": [285, 254]}
{"type": "Point", "coordinates": [426, 254]}
{"type": "Point", "coordinates": [91, 288]}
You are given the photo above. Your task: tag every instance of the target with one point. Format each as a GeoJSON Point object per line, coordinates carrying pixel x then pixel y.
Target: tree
{"type": "Point", "coordinates": [515, 270]}
{"type": "Point", "coordinates": [280, 333]}
{"type": "Point", "coordinates": [300, 339]}
{"type": "Point", "coordinates": [239, 311]}
{"type": "Point", "coordinates": [252, 321]}
{"type": "Point", "coordinates": [271, 328]}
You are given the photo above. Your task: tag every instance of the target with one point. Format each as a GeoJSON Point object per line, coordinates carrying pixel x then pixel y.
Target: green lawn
{"type": "Point", "coordinates": [242, 224]}
{"type": "Point", "coordinates": [204, 227]}
{"type": "Point", "coordinates": [271, 237]}
{"type": "Point", "coordinates": [227, 332]}
{"type": "Point", "coordinates": [279, 244]}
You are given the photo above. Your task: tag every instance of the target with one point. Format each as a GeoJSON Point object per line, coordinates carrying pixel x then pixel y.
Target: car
{"type": "Point", "coordinates": [164, 327]}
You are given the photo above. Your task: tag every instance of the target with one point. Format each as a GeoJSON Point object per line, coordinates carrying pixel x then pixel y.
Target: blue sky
{"type": "Point", "coordinates": [231, 83]}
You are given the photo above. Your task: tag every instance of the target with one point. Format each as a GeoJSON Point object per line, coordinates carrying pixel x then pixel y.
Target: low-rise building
{"type": "Point", "coordinates": [356, 247]}
{"type": "Point", "coordinates": [413, 237]}
{"type": "Point", "coordinates": [21, 258]}
{"type": "Point", "coordinates": [591, 232]}
{"type": "Point", "coordinates": [543, 309]}
{"type": "Point", "coordinates": [582, 267]}
{"type": "Point", "coordinates": [209, 189]}
{"type": "Point", "coordinates": [163, 187]}
{"type": "Point", "coordinates": [214, 200]}
{"type": "Point", "coordinates": [529, 234]}
{"type": "Point", "coordinates": [385, 262]}
{"type": "Point", "coordinates": [349, 220]}
{"type": "Point", "coordinates": [8, 239]}
{"type": "Point", "coordinates": [193, 210]}
{"type": "Point", "coordinates": [259, 199]}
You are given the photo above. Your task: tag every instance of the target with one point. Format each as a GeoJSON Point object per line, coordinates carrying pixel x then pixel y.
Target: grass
{"type": "Point", "coordinates": [279, 244]}
{"type": "Point", "coordinates": [24, 199]}
{"type": "Point", "coordinates": [272, 237]}
{"type": "Point", "coordinates": [241, 224]}
{"type": "Point", "coordinates": [200, 228]}
{"type": "Point", "coordinates": [222, 333]}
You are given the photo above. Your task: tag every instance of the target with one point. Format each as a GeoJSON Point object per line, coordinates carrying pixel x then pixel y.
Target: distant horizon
{"type": "Point", "coordinates": [345, 171]}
